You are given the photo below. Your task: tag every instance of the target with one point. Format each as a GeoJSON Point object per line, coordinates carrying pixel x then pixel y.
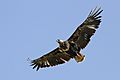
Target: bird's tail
{"type": "Point", "coordinates": [79, 57]}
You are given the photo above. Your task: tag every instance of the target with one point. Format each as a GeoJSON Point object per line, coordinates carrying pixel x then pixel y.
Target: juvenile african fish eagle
{"type": "Point", "coordinates": [71, 47]}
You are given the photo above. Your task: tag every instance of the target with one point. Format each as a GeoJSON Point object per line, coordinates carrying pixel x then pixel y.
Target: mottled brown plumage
{"type": "Point", "coordinates": [71, 48]}
{"type": "Point", "coordinates": [84, 32]}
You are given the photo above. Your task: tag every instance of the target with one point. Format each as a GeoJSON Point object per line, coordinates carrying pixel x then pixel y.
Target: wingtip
{"type": "Point", "coordinates": [95, 11]}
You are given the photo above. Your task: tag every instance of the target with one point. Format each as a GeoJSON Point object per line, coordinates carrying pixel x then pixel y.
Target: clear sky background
{"type": "Point", "coordinates": [29, 28]}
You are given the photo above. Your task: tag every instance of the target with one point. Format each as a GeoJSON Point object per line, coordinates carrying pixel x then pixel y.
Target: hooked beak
{"type": "Point", "coordinates": [59, 41]}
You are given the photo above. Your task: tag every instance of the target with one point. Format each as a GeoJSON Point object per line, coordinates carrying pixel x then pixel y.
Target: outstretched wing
{"type": "Point", "coordinates": [53, 58]}
{"type": "Point", "coordinates": [84, 32]}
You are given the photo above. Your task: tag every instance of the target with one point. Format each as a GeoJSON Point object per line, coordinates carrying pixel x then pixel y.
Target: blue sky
{"type": "Point", "coordinates": [29, 28]}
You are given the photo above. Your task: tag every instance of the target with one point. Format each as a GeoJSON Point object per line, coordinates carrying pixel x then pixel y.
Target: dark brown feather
{"type": "Point", "coordinates": [84, 32]}
{"type": "Point", "coordinates": [53, 58]}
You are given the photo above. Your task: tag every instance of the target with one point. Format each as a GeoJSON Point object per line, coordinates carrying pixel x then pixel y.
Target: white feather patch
{"type": "Point", "coordinates": [92, 27]}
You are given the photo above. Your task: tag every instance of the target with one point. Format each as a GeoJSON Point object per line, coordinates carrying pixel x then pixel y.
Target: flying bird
{"type": "Point", "coordinates": [70, 49]}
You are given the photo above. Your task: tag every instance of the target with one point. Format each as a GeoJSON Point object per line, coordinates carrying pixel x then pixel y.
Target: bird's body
{"type": "Point", "coordinates": [71, 48]}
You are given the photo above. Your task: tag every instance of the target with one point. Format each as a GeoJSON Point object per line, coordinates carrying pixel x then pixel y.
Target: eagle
{"type": "Point", "coordinates": [70, 48]}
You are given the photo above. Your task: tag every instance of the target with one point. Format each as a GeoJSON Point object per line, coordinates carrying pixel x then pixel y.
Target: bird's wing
{"type": "Point", "coordinates": [84, 32]}
{"type": "Point", "coordinates": [53, 58]}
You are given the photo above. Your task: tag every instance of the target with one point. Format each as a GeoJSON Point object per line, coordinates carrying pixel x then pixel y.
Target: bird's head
{"type": "Point", "coordinates": [59, 41]}
{"type": "Point", "coordinates": [64, 45]}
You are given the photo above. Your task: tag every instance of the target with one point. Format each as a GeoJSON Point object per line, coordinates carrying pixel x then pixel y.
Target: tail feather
{"type": "Point", "coordinates": [79, 57]}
